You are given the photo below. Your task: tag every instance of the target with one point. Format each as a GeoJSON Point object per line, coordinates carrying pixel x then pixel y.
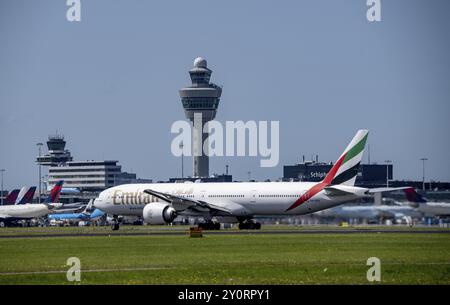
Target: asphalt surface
{"type": "Point", "coordinates": [232, 232]}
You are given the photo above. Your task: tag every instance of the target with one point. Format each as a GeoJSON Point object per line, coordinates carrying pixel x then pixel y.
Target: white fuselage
{"type": "Point", "coordinates": [240, 198]}
{"type": "Point", "coordinates": [431, 209]}
{"type": "Point", "coordinates": [372, 212]}
{"type": "Point", "coordinates": [24, 211]}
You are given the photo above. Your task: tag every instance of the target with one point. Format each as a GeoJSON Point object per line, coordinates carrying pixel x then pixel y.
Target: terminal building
{"type": "Point", "coordinates": [88, 178]}
{"type": "Point", "coordinates": [91, 176]}
{"type": "Point", "coordinates": [214, 178]}
{"type": "Point", "coordinates": [369, 175]}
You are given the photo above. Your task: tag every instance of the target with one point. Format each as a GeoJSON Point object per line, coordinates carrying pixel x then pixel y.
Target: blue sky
{"type": "Point", "coordinates": [110, 82]}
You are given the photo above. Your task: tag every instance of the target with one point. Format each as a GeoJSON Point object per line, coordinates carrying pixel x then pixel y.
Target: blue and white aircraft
{"type": "Point", "coordinates": [83, 216]}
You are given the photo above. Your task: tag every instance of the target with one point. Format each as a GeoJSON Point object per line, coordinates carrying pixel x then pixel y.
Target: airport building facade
{"type": "Point", "coordinates": [369, 175]}
{"type": "Point", "coordinates": [91, 176]}
{"type": "Point", "coordinates": [83, 180]}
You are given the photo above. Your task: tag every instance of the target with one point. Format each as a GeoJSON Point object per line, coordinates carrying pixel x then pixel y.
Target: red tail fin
{"type": "Point", "coordinates": [12, 196]}
{"type": "Point", "coordinates": [55, 192]}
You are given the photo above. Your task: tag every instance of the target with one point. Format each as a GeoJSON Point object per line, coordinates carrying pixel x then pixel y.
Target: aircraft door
{"type": "Point", "coordinates": [253, 196]}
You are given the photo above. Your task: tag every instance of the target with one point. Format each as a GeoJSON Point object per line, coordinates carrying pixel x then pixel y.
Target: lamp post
{"type": "Point", "coordinates": [2, 170]}
{"type": "Point", "coordinates": [423, 172]}
{"type": "Point", "coordinates": [182, 159]}
{"type": "Point", "coordinates": [387, 172]}
{"type": "Point", "coordinates": [39, 145]}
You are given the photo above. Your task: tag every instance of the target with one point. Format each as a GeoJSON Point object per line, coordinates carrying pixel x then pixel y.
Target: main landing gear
{"type": "Point", "coordinates": [249, 225]}
{"type": "Point", "coordinates": [209, 225]}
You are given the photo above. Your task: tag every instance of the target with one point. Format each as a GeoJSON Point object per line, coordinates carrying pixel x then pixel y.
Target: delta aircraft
{"type": "Point", "coordinates": [416, 207]}
{"type": "Point", "coordinates": [11, 198]}
{"type": "Point", "coordinates": [22, 196]}
{"type": "Point", "coordinates": [239, 202]}
{"type": "Point", "coordinates": [12, 213]}
{"type": "Point", "coordinates": [428, 209]}
{"type": "Point", "coordinates": [25, 195]}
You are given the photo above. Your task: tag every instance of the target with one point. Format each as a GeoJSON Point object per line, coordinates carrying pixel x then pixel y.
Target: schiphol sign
{"type": "Point", "coordinates": [221, 139]}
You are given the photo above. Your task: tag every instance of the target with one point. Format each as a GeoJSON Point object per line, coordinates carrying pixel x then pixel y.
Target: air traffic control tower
{"type": "Point", "coordinates": [57, 154]}
{"type": "Point", "coordinates": [201, 98]}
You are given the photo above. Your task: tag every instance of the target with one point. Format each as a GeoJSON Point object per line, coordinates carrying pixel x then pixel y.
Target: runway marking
{"type": "Point", "coordinates": [162, 268]}
{"type": "Point", "coordinates": [84, 270]}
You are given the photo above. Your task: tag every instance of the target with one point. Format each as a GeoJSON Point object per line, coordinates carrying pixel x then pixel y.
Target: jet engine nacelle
{"type": "Point", "coordinates": [157, 213]}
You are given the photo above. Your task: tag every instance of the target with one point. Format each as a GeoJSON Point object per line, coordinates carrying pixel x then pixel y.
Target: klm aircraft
{"type": "Point", "coordinates": [84, 216]}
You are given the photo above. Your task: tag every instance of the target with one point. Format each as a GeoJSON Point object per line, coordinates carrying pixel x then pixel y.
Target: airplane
{"type": "Point", "coordinates": [26, 195]}
{"type": "Point", "coordinates": [55, 193]}
{"type": "Point", "coordinates": [373, 212]}
{"type": "Point", "coordinates": [417, 208]}
{"type": "Point", "coordinates": [85, 215]}
{"type": "Point", "coordinates": [11, 198]}
{"type": "Point", "coordinates": [13, 213]}
{"type": "Point", "coordinates": [428, 209]}
{"type": "Point", "coordinates": [161, 203]}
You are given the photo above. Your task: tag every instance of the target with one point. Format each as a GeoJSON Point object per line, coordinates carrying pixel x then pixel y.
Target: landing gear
{"type": "Point", "coordinates": [249, 225]}
{"type": "Point", "coordinates": [116, 223]}
{"type": "Point", "coordinates": [209, 225]}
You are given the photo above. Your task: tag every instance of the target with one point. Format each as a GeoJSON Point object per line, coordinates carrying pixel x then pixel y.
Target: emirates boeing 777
{"type": "Point", "coordinates": [161, 203]}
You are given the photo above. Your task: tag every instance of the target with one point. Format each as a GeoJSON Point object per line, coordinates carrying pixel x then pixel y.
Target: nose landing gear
{"type": "Point", "coordinates": [116, 223]}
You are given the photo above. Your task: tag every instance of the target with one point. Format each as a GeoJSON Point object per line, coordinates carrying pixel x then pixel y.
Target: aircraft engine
{"type": "Point", "coordinates": [157, 213]}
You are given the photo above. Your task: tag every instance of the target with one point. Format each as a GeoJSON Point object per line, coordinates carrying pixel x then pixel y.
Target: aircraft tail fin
{"type": "Point", "coordinates": [413, 197]}
{"type": "Point", "coordinates": [89, 206]}
{"type": "Point", "coordinates": [55, 192]}
{"type": "Point", "coordinates": [11, 198]}
{"type": "Point", "coordinates": [26, 195]}
{"type": "Point", "coordinates": [22, 192]}
{"type": "Point", "coordinates": [346, 167]}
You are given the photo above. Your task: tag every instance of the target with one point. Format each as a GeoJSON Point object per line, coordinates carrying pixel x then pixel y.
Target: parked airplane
{"type": "Point", "coordinates": [373, 212]}
{"type": "Point", "coordinates": [85, 215]}
{"type": "Point", "coordinates": [240, 201]}
{"type": "Point", "coordinates": [26, 195]}
{"type": "Point", "coordinates": [417, 207]}
{"type": "Point", "coordinates": [13, 213]}
{"type": "Point", "coordinates": [11, 198]}
{"type": "Point", "coordinates": [55, 193]}
{"type": "Point", "coordinates": [428, 209]}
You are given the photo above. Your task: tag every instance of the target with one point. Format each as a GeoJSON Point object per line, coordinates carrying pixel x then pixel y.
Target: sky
{"type": "Point", "coordinates": [110, 82]}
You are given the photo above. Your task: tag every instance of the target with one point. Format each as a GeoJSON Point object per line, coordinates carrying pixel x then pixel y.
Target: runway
{"type": "Point", "coordinates": [232, 232]}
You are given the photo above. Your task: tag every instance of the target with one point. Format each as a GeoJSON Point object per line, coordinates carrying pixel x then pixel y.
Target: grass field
{"type": "Point", "coordinates": [228, 259]}
{"type": "Point", "coordinates": [14, 231]}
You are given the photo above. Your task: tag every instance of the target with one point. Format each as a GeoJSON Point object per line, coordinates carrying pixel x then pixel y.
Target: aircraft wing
{"type": "Point", "coordinates": [182, 203]}
{"type": "Point", "coordinates": [335, 191]}
{"type": "Point", "coordinates": [387, 189]}
{"type": "Point", "coordinates": [71, 210]}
